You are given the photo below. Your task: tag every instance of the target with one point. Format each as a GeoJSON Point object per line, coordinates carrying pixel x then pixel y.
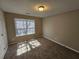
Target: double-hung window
{"type": "Point", "coordinates": [24, 27]}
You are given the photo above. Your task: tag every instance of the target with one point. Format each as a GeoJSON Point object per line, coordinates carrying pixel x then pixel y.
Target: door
{"type": "Point", "coordinates": [3, 36]}
{"type": "Point", "coordinates": [1, 47]}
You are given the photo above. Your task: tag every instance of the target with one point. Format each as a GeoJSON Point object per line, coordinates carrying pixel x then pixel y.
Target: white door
{"type": "Point", "coordinates": [0, 28]}
{"type": "Point", "coordinates": [1, 47]}
{"type": "Point", "coordinates": [3, 36]}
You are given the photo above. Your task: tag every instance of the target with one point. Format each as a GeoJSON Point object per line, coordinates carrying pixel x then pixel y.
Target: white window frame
{"type": "Point", "coordinates": [28, 29]}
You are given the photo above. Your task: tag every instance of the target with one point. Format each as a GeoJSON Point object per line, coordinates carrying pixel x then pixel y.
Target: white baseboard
{"type": "Point", "coordinates": [61, 44]}
{"type": "Point", "coordinates": [12, 43]}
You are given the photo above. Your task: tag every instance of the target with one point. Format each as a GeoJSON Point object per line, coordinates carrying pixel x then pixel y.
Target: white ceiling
{"type": "Point", "coordinates": [27, 7]}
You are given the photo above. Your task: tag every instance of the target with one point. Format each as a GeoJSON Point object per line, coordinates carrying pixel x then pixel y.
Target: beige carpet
{"type": "Point", "coordinates": [39, 49]}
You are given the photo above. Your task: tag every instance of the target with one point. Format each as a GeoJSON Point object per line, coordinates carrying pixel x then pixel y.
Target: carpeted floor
{"type": "Point", "coordinates": [40, 48]}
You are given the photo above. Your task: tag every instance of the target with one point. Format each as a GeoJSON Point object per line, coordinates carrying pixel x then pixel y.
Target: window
{"type": "Point", "coordinates": [24, 27]}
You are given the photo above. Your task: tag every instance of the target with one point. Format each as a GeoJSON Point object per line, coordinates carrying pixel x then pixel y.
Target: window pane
{"type": "Point", "coordinates": [24, 27]}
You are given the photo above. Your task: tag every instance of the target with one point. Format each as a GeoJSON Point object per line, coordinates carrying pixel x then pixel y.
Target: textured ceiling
{"type": "Point", "coordinates": [27, 7]}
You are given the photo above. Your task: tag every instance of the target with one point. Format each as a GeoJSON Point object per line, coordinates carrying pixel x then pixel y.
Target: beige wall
{"type": "Point", "coordinates": [9, 18]}
{"type": "Point", "coordinates": [63, 28]}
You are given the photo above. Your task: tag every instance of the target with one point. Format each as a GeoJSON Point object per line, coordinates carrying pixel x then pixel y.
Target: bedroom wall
{"type": "Point", "coordinates": [9, 18]}
{"type": "Point", "coordinates": [63, 28]}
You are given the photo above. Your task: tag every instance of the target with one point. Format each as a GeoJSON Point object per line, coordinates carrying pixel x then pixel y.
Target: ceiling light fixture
{"type": "Point", "coordinates": [41, 8]}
